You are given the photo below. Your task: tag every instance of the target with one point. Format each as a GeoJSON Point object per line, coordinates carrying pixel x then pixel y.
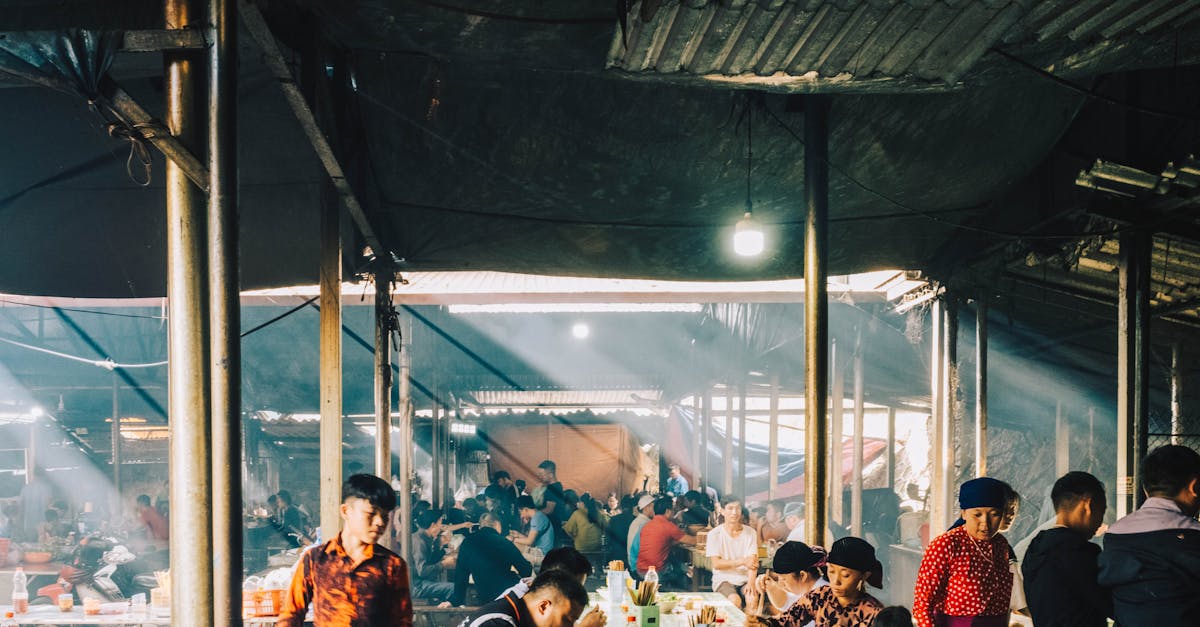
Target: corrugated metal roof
{"type": "Point", "coordinates": [935, 42]}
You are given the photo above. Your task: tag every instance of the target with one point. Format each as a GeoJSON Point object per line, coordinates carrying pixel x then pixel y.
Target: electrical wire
{"type": "Point", "coordinates": [931, 216]}
{"type": "Point", "coordinates": [86, 311]}
{"type": "Point", "coordinates": [107, 363]}
{"type": "Point", "coordinates": [597, 19]}
{"type": "Point", "coordinates": [1091, 93]}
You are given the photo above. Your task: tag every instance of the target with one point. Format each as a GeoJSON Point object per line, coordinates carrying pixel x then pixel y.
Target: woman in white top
{"type": "Point", "coordinates": [732, 552]}
{"type": "Point", "coordinates": [797, 570]}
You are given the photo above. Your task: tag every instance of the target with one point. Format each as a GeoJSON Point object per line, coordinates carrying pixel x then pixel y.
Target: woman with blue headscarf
{"type": "Point", "coordinates": [964, 579]}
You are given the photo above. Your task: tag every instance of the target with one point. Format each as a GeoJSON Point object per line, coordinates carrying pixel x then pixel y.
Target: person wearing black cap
{"type": "Point", "coordinates": [964, 579]}
{"type": "Point", "coordinates": [797, 571]}
{"type": "Point", "coordinates": [844, 602]}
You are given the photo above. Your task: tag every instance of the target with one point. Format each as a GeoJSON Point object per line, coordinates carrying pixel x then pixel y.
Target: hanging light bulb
{"type": "Point", "coordinates": [748, 238]}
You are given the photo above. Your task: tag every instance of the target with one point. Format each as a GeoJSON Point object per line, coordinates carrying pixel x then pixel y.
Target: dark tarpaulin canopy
{"type": "Point", "coordinates": [72, 61]}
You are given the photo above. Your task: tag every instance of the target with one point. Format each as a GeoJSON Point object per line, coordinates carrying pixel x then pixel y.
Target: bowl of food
{"type": "Point", "coordinates": [38, 557]}
{"type": "Point", "coordinates": [667, 601]}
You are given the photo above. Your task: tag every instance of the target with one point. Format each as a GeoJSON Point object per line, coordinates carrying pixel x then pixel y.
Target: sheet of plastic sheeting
{"type": "Point", "coordinates": [595, 458]}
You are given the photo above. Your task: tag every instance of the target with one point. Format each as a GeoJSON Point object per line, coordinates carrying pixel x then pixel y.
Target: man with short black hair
{"type": "Point", "coordinates": [1151, 558]}
{"type": "Point", "coordinates": [489, 559]}
{"type": "Point", "coordinates": [351, 579]}
{"type": "Point", "coordinates": [1060, 566]}
{"type": "Point", "coordinates": [657, 538]}
{"type": "Point", "coordinates": [429, 559]}
{"type": "Point", "coordinates": [551, 498]}
{"type": "Point", "coordinates": [541, 530]}
{"type": "Point", "coordinates": [555, 599]}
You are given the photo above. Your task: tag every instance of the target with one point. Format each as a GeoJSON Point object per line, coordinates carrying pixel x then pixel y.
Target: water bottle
{"type": "Point", "coordinates": [20, 597]}
{"type": "Point", "coordinates": [652, 576]}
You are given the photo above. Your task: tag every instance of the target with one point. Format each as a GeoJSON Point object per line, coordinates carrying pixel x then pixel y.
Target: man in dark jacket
{"type": "Point", "coordinates": [1060, 566]}
{"type": "Point", "coordinates": [490, 559]}
{"type": "Point", "coordinates": [555, 599]}
{"type": "Point", "coordinates": [1151, 559]}
{"type": "Point", "coordinates": [429, 559]}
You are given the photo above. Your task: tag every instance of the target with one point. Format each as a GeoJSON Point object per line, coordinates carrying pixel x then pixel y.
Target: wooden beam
{"type": "Point", "coordinates": [153, 131]}
{"type": "Point", "coordinates": [331, 368]}
{"type": "Point", "coordinates": [162, 39]}
{"type": "Point", "coordinates": [278, 67]}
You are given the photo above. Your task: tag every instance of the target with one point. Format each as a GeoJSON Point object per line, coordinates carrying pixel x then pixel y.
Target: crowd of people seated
{"type": "Point", "coordinates": [1146, 574]}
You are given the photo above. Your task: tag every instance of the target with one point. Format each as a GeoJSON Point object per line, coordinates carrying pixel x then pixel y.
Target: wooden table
{"type": "Point", "coordinates": [51, 615]}
{"type": "Point", "coordinates": [679, 618]}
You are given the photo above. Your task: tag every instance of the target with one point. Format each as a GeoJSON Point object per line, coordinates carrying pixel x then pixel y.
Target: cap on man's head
{"type": "Point", "coordinates": [645, 501]}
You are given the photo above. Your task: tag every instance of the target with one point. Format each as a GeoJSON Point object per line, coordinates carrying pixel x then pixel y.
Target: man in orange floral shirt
{"type": "Point", "coordinates": [350, 580]}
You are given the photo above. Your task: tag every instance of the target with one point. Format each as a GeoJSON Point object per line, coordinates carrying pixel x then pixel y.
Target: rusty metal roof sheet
{"type": "Point", "coordinates": [813, 44]}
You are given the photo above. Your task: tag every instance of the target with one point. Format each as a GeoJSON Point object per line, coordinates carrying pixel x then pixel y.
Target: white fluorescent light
{"type": "Point", "coordinates": [579, 308]}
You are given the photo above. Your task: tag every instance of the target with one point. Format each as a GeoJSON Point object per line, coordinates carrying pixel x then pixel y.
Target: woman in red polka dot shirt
{"type": "Point", "coordinates": [964, 579]}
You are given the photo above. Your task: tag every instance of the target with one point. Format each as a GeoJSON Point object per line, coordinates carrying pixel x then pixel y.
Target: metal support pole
{"type": "Point", "coordinates": [951, 418]}
{"type": "Point", "coordinates": [1062, 441]}
{"type": "Point", "coordinates": [891, 448]}
{"type": "Point", "coordinates": [697, 477]}
{"type": "Point", "coordinates": [837, 435]}
{"type": "Point", "coordinates": [742, 438]}
{"type": "Point", "coordinates": [938, 498]}
{"type": "Point", "coordinates": [435, 454]}
{"type": "Point", "coordinates": [816, 313]}
{"type": "Point", "coordinates": [225, 315]}
{"type": "Point", "coordinates": [331, 367]}
{"type": "Point", "coordinates": [981, 384]}
{"type": "Point", "coordinates": [773, 442]}
{"type": "Point", "coordinates": [705, 433]}
{"type": "Point", "coordinates": [188, 345]}
{"type": "Point", "coordinates": [1133, 363]}
{"type": "Point", "coordinates": [1176, 393]}
{"type": "Point", "coordinates": [405, 408]}
{"type": "Point", "coordinates": [116, 447]}
{"type": "Point", "coordinates": [856, 485]}
{"type": "Point", "coordinates": [727, 456]}
{"type": "Point", "coordinates": [383, 376]}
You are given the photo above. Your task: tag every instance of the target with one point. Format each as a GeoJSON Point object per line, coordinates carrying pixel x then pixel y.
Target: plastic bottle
{"type": "Point", "coordinates": [9, 621]}
{"type": "Point", "coordinates": [651, 576]}
{"type": "Point", "coordinates": [20, 596]}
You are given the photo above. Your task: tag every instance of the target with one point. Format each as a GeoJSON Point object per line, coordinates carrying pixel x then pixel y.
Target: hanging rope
{"type": "Point", "coordinates": [137, 135]}
{"type": "Point", "coordinates": [106, 363]}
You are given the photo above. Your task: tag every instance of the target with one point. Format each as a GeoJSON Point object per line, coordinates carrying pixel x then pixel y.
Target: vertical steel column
{"type": "Point", "coordinates": [773, 442]}
{"type": "Point", "coordinates": [705, 436]}
{"type": "Point", "coordinates": [331, 366]}
{"type": "Point", "coordinates": [697, 476]}
{"type": "Point", "coordinates": [891, 448]}
{"type": "Point", "coordinates": [405, 407]}
{"type": "Point", "coordinates": [116, 447]}
{"type": "Point", "coordinates": [981, 385]}
{"type": "Point", "coordinates": [435, 454]}
{"type": "Point", "coordinates": [727, 457]}
{"type": "Point", "coordinates": [856, 485]}
{"type": "Point", "coordinates": [1133, 363]}
{"type": "Point", "coordinates": [951, 418]}
{"type": "Point", "coordinates": [1062, 441]}
{"type": "Point", "coordinates": [225, 315]}
{"type": "Point", "coordinates": [742, 439]}
{"type": "Point", "coordinates": [937, 498]}
{"type": "Point", "coordinates": [383, 375]}
{"type": "Point", "coordinates": [188, 347]}
{"type": "Point", "coordinates": [816, 313]}
{"type": "Point", "coordinates": [1176, 393]}
{"type": "Point", "coordinates": [837, 434]}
